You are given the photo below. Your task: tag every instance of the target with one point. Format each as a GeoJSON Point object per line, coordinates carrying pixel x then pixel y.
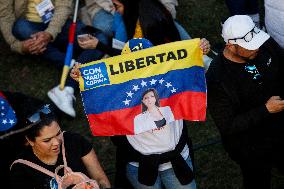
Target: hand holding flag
{"type": "Point", "coordinates": [112, 88]}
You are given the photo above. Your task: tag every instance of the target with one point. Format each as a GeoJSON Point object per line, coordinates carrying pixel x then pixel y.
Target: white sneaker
{"type": "Point", "coordinates": [63, 99]}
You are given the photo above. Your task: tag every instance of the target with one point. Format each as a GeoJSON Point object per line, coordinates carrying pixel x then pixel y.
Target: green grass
{"type": "Point", "coordinates": [214, 169]}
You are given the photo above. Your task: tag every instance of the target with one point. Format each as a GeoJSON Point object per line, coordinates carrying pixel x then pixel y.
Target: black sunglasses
{"type": "Point", "coordinates": [36, 116]}
{"type": "Point", "coordinates": [248, 36]}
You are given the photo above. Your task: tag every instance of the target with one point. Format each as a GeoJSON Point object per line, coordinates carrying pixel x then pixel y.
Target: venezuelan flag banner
{"type": "Point", "coordinates": [144, 90]}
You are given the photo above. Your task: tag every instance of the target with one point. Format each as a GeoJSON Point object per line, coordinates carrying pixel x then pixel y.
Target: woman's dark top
{"type": "Point", "coordinates": [23, 176]}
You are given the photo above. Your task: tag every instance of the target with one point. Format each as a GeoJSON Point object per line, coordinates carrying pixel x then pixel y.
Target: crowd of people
{"type": "Point", "coordinates": [244, 89]}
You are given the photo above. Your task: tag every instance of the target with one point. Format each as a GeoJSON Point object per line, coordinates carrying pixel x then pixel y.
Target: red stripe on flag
{"type": "Point", "coordinates": [185, 105]}
{"type": "Point", "coordinates": [121, 119]}
{"type": "Point", "coordinates": [2, 95]}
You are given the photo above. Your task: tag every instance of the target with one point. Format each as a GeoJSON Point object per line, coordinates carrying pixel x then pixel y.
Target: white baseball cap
{"type": "Point", "coordinates": [235, 28]}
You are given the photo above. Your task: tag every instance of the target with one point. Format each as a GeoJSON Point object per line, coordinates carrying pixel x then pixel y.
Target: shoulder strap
{"type": "Point", "coordinates": [40, 168]}
{"type": "Point", "coordinates": [35, 166]}
{"type": "Point", "coordinates": [63, 151]}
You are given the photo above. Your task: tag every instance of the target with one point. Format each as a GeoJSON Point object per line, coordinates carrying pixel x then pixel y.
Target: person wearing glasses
{"type": "Point", "coordinates": [245, 99]}
{"type": "Point", "coordinates": [45, 140]}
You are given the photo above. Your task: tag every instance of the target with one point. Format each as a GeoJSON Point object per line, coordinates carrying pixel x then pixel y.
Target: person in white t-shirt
{"type": "Point", "coordinates": [158, 158]}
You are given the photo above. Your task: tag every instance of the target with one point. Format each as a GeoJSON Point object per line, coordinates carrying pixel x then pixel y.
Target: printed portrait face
{"type": "Point", "coordinates": [149, 99]}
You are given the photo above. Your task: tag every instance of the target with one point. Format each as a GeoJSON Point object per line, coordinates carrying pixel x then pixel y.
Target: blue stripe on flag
{"type": "Point", "coordinates": [129, 94]}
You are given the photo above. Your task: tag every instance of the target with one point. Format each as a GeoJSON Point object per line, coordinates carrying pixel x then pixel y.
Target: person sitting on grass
{"type": "Point", "coordinates": [49, 147]}
{"type": "Point", "coordinates": [40, 28]}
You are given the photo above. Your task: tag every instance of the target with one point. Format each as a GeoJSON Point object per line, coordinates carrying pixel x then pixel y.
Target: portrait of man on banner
{"type": "Point", "coordinates": [152, 115]}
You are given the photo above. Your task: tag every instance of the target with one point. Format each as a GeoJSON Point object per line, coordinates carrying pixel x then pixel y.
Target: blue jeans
{"type": "Point", "coordinates": [103, 20]}
{"type": "Point", "coordinates": [166, 179]}
{"type": "Point", "coordinates": [111, 25]}
{"type": "Point", "coordinates": [55, 51]}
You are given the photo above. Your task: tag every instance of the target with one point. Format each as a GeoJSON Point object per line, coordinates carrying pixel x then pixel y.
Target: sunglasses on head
{"type": "Point", "coordinates": [247, 37]}
{"type": "Point", "coordinates": [36, 116]}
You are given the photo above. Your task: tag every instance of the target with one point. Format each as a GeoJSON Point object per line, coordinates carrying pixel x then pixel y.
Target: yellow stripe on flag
{"type": "Point", "coordinates": [152, 61]}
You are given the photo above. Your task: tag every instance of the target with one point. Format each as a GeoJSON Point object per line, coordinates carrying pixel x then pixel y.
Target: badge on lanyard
{"type": "Point", "coordinates": [45, 10]}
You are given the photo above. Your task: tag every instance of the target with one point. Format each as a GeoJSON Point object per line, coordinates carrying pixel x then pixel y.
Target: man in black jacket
{"type": "Point", "coordinates": [245, 92]}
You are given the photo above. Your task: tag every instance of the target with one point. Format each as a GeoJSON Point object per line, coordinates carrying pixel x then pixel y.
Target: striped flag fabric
{"type": "Point", "coordinates": [8, 117]}
{"type": "Point", "coordinates": [113, 89]}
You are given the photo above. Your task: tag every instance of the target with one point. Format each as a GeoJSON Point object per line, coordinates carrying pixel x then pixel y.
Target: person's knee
{"type": "Point", "coordinates": [23, 29]}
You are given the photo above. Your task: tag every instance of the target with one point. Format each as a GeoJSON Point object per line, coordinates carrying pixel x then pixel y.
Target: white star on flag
{"type": "Point", "coordinates": [3, 108]}
{"type": "Point", "coordinates": [2, 102]}
{"type": "Point", "coordinates": [135, 87]}
{"type": "Point", "coordinates": [129, 94]}
{"type": "Point", "coordinates": [4, 121]}
{"type": "Point", "coordinates": [153, 82]}
{"type": "Point", "coordinates": [46, 106]}
{"type": "Point", "coordinates": [2, 114]}
{"type": "Point", "coordinates": [173, 90]}
{"type": "Point", "coordinates": [161, 81]}
{"type": "Point", "coordinates": [126, 102]}
{"type": "Point", "coordinates": [143, 84]}
{"type": "Point", "coordinates": [168, 84]}
{"type": "Point", "coordinates": [11, 121]}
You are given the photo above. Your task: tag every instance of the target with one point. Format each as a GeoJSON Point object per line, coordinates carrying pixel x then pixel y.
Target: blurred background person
{"type": "Point", "coordinates": [35, 27]}
{"type": "Point", "coordinates": [242, 7]}
{"type": "Point", "coordinates": [274, 20]}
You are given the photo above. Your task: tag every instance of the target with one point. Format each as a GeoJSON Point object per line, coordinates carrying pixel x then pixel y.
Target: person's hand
{"type": "Point", "coordinates": [205, 46]}
{"type": "Point", "coordinates": [88, 42]}
{"type": "Point", "coordinates": [41, 39]}
{"type": "Point", "coordinates": [75, 72]}
{"type": "Point", "coordinates": [118, 6]}
{"type": "Point", "coordinates": [26, 45]}
{"type": "Point", "coordinates": [275, 104]}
